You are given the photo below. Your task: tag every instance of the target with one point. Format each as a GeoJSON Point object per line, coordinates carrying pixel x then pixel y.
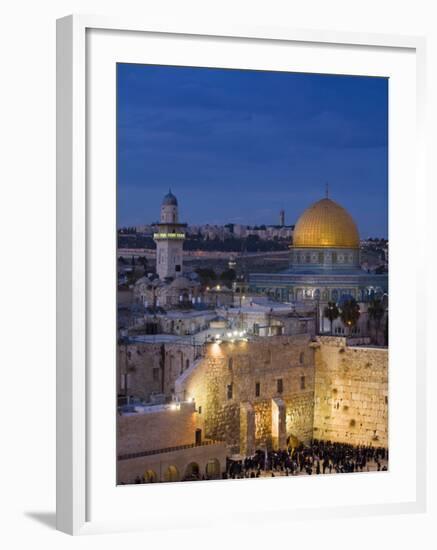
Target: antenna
{"type": "Point", "coordinates": [327, 190]}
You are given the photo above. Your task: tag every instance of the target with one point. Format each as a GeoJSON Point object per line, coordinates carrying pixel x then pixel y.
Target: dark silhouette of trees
{"type": "Point", "coordinates": [228, 276]}
{"type": "Point", "coordinates": [386, 331]}
{"type": "Point", "coordinates": [207, 276]}
{"type": "Point", "coordinates": [331, 312]}
{"type": "Point", "coordinates": [376, 312]}
{"type": "Point", "coordinates": [350, 313]}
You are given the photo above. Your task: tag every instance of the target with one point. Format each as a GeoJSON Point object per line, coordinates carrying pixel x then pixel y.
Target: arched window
{"type": "Point", "coordinates": [301, 357]}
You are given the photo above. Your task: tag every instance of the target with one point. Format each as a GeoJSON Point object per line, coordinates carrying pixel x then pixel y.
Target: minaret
{"type": "Point", "coordinates": [169, 239]}
{"type": "Point", "coordinates": [282, 218]}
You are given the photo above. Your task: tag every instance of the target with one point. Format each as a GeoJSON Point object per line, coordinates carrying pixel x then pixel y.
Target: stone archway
{"type": "Point", "coordinates": [150, 476]}
{"type": "Point", "coordinates": [171, 474]}
{"type": "Point", "coordinates": [192, 471]}
{"type": "Point", "coordinates": [212, 469]}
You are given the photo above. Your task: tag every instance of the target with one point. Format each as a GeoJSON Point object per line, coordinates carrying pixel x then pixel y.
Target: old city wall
{"type": "Point", "coordinates": [252, 373]}
{"type": "Point", "coordinates": [351, 393]}
{"type": "Point", "coordinates": [139, 432]}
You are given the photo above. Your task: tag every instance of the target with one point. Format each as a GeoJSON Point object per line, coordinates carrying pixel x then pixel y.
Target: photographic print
{"type": "Point", "coordinates": [252, 274]}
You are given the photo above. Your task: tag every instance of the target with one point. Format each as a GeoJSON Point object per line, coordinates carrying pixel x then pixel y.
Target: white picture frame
{"type": "Point", "coordinates": [74, 208]}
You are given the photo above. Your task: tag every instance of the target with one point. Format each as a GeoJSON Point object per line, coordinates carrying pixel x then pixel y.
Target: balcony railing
{"type": "Point", "coordinates": [140, 454]}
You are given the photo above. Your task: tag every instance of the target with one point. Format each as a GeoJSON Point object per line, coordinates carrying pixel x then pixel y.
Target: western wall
{"type": "Point", "coordinates": [242, 388]}
{"type": "Point", "coordinates": [350, 392]}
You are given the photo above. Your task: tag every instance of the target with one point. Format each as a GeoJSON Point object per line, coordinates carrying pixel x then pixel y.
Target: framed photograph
{"type": "Point", "coordinates": [238, 234]}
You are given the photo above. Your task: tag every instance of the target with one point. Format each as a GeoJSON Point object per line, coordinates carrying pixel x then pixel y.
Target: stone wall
{"type": "Point", "coordinates": [231, 374]}
{"type": "Point", "coordinates": [152, 368]}
{"type": "Point", "coordinates": [351, 393]}
{"type": "Point", "coordinates": [180, 462]}
{"type": "Point", "coordinates": [162, 426]}
{"type": "Point", "coordinates": [260, 393]}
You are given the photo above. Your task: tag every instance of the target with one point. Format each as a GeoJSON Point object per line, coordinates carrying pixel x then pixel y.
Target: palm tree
{"type": "Point", "coordinates": [376, 311]}
{"type": "Point", "coordinates": [350, 313]}
{"type": "Point", "coordinates": [331, 312]}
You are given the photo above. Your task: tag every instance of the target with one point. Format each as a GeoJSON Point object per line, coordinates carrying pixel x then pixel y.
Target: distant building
{"type": "Point", "coordinates": [282, 218]}
{"type": "Point", "coordinates": [171, 288]}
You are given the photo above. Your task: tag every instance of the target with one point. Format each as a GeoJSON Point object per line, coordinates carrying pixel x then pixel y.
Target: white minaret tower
{"type": "Point", "coordinates": [169, 239]}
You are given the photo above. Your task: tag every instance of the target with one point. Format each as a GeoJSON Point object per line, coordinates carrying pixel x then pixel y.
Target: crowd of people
{"type": "Point", "coordinates": [319, 457]}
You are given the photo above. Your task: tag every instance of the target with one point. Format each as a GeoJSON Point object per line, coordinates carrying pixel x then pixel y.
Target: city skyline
{"type": "Point", "coordinates": [238, 146]}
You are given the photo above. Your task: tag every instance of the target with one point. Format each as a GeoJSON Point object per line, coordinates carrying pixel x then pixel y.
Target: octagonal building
{"type": "Point", "coordinates": [324, 261]}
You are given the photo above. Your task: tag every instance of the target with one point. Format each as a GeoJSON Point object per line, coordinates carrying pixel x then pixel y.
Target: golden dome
{"type": "Point", "coordinates": [326, 224]}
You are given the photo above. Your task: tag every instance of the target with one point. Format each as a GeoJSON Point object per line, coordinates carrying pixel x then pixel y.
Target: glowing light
{"type": "Point", "coordinates": [229, 334]}
{"type": "Point", "coordinates": [218, 287]}
{"type": "Point", "coordinates": [169, 236]}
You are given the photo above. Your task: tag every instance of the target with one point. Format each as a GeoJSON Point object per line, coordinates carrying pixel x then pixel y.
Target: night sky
{"type": "Point", "coordinates": [237, 146]}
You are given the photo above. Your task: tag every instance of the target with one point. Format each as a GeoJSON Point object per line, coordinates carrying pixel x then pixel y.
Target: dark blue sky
{"type": "Point", "coordinates": [237, 146]}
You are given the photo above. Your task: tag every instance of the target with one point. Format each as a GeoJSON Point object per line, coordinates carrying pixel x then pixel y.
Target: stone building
{"type": "Point", "coordinates": [170, 288]}
{"type": "Point", "coordinates": [152, 292]}
{"type": "Point", "coordinates": [162, 443]}
{"type": "Point", "coordinates": [260, 316]}
{"type": "Point", "coordinates": [169, 239]}
{"type": "Point", "coordinates": [149, 366]}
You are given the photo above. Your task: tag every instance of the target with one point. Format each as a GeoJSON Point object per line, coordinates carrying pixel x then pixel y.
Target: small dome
{"type": "Point", "coordinates": [326, 224]}
{"type": "Point", "coordinates": [170, 199]}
